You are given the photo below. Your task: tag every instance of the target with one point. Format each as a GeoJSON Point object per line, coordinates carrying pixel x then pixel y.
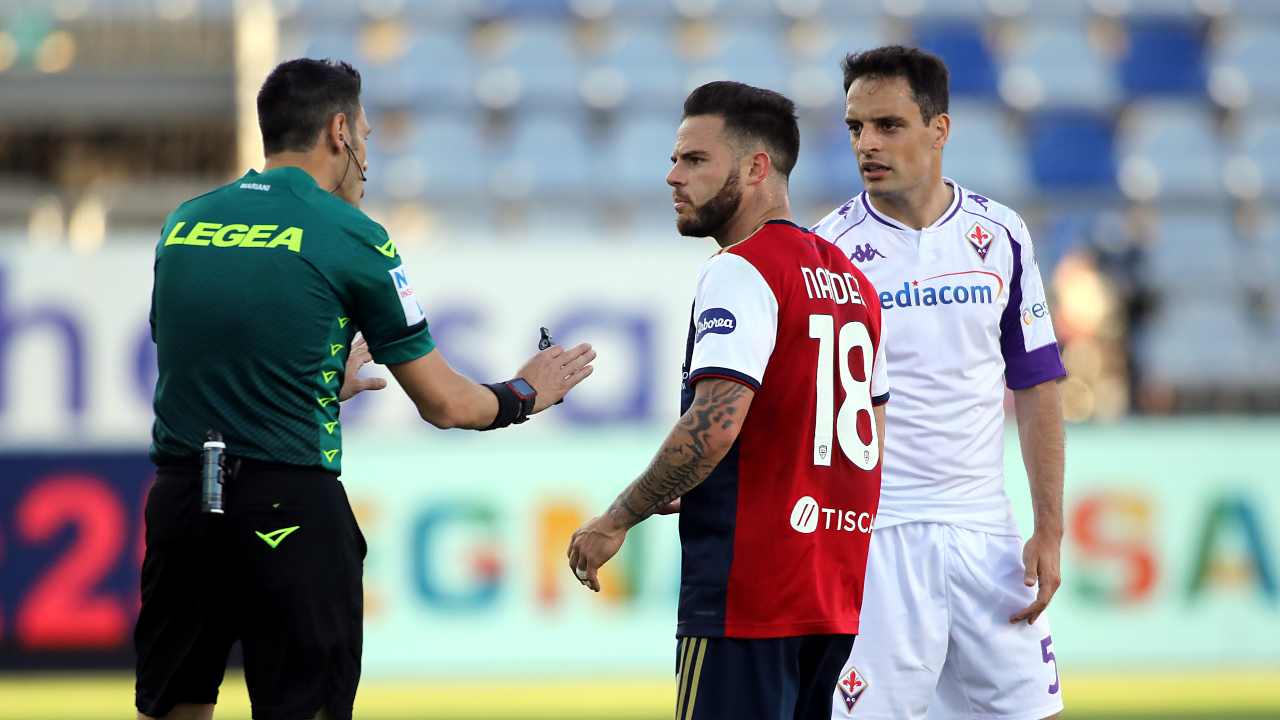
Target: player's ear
{"type": "Point", "coordinates": [942, 130]}
{"type": "Point", "coordinates": [761, 165]}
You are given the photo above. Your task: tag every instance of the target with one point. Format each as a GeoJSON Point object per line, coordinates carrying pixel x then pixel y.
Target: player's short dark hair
{"type": "Point", "coordinates": [300, 97]}
{"type": "Point", "coordinates": [925, 73]}
{"type": "Point", "coordinates": [752, 113]}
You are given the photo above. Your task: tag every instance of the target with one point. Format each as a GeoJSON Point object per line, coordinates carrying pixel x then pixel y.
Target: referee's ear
{"type": "Point", "coordinates": [336, 131]}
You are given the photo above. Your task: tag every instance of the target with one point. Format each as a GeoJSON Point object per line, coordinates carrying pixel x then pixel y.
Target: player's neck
{"type": "Point", "coordinates": [747, 221]}
{"type": "Point", "coordinates": [918, 208]}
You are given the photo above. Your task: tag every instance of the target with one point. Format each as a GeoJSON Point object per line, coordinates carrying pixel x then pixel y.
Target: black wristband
{"type": "Point", "coordinates": [513, 409]}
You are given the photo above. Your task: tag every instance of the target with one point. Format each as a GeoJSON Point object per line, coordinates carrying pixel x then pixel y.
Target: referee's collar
{"type": "Point", "coordinates": [289, 174]}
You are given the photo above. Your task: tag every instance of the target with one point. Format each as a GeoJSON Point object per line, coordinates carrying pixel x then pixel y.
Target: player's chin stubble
{"type": "Point", "coordinates": [714, 213]}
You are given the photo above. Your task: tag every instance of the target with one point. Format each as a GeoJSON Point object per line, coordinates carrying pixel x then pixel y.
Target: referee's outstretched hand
{"type": "Point", "coordinates": [352, 383]}
{"type": "Point", "coordinates": [555, 371]}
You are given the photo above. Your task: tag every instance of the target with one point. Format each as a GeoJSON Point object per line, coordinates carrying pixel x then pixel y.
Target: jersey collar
{"type": "Point", "coordinates": [957, 197]}
{"type": "Point", "coordinates": [289, 175]}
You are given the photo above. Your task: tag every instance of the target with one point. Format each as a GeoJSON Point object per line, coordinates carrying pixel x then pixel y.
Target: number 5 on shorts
{"type": "Point", "coordinates": [1046, 650]}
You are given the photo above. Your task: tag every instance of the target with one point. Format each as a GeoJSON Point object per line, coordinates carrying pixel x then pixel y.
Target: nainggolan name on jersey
{"type": "Point", "coordinates": [822, 284]}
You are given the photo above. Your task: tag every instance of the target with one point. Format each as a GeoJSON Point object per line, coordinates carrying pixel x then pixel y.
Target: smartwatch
{"type": "Point", "coordinates": [527, 396]}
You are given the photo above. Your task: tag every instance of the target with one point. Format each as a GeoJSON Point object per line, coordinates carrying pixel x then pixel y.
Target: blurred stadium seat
{"type": "Point", "coordinates": [1163, 56]}
{"type": "Point", "coordinates": [1072, 150]}
{"type": "Point", "coordinates": [986, 152]}
{"type": "Point", "coordinates": [1179, 141]}
{"type": "Point", "coordinates": [1199, 248]}
{"type": "Point", "coordinates": [1037, 70]}
{"type": "Point", "coordinates": [633, 162]}
{"type": "Point", "coordinates": [1258, 150]}
{"type": "Point", "coordinates": [1247, 55]}
{"type": "Point", "coordinates": [508, 114]}
{"type": "Point", "coordinates": [963, 46]}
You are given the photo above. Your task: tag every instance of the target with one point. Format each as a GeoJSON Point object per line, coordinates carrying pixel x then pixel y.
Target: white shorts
{"type": "Point", "coordinates": [935, 640]}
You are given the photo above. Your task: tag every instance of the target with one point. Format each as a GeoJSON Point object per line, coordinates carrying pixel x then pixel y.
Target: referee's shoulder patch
{"type": "Point", "coordinates": [408, 300]}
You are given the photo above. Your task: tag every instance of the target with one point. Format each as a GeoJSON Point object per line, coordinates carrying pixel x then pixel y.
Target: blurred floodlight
{"type": "Point", "coordinates": [8, 51]}
{"type": "Point", "coordinates": [46, 224]}
{"type": "Point", "coordinates": [87, 229]}
{"type": "Point", "coordinates": [56, 52]}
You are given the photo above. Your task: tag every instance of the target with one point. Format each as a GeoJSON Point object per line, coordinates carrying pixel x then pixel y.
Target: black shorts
{"type": "Point", "coordinates": [280, 572]}
{"type": "Point", "coordinates": [791, 678]}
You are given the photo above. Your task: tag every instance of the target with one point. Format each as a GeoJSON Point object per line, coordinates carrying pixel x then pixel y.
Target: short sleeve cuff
{"type": "Point", "coordinates": [1033, 368]}
{"type": "Point", "coordinates": [409, 347]}
{"type": "Point", "coordinates": [879, 400]}
{"type": "Point", "coordinates": [706, 373]}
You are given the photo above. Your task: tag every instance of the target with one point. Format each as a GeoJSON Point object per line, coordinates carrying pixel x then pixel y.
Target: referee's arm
{"type": "Point", "coordinates": [448, 399]}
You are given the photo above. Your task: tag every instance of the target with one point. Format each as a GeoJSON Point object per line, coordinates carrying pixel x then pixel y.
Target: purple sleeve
{"type": "Point", "coordinates": [1026, 321]}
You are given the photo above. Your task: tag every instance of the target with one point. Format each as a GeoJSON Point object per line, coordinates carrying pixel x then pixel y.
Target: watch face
{"type": "Point", "coordinates": [522, 388]}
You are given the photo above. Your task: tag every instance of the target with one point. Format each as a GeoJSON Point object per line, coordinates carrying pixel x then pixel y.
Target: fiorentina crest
{"type": "Point", "coordinates": [980, 238]}
{"type": "Point", "coordinates": [851, 687]}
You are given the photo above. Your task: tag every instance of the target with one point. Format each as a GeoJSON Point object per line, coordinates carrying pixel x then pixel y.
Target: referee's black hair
{"type": "Point", "coordinates": [752, 112]}
{"type": "Point", "coordinates": [299, 98]}
{"type": "Point", "coordinates": [925, 73]}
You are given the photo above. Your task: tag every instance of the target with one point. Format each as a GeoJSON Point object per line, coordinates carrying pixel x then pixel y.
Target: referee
{"type": "Point", "coordinates": [260, 288]}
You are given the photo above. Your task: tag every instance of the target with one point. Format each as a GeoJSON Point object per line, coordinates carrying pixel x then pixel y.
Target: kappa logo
{"type": "Point", "coordinates": [851, 687]}
{"type": "Point", "coordinates": [865, 253]}
{"type": "Point", "coordinates": [980, 238]}
{"type": "Point", "coordinates": [718, 321]}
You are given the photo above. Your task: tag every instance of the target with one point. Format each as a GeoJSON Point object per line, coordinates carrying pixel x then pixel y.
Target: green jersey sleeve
{"type": "Point", "coordinates": [383, 304]}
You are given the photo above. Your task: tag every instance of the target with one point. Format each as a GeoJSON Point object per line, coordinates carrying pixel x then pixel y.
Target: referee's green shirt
{"type": "Point", "coordinates": [260, 286]}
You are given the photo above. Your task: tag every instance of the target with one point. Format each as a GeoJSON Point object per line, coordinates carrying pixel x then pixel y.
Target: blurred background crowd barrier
{"type": "Point", "coordinates": [517, 159]}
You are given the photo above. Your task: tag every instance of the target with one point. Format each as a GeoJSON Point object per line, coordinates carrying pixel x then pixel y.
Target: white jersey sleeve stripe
{"type": "Point", "coordinates": [735, 316]}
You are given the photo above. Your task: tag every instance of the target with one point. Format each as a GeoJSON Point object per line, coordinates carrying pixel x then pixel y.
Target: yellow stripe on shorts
{"type": "Point", "coordinates": [697, 675]}
{"type": "Point", "coordinates": [695, 649]}
{"type": "Point", "coordinates": [682, 676]}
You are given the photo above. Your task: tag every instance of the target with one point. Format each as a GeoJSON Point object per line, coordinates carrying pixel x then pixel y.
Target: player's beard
{"type": "Point", "coordinates": [714, 213]}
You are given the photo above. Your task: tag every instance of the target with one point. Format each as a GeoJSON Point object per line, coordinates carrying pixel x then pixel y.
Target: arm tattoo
{"type": "Point", "coordinates": [690, 453]}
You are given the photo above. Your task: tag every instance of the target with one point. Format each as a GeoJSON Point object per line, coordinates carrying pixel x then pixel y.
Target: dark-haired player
{"type": "Point", "coordinates": [952, 624]}
{"type": "Point", "coordinates": [776, 459]}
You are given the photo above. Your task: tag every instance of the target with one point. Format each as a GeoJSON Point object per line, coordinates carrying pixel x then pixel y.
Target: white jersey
{"type": "Point", "coordinates": [965, 315]}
